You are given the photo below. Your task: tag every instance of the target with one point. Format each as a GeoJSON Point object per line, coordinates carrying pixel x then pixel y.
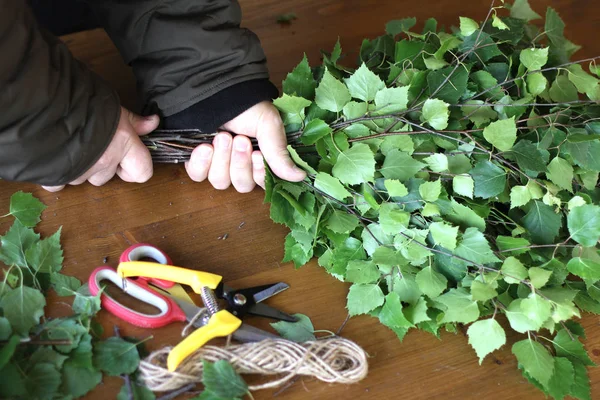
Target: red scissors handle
{"type": "Point", "coordinates": [169, 310]}
{"type": "Point", "coordinates": [140, 251]}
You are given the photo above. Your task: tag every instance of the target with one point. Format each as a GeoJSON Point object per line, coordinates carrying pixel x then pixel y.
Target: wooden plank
{"type": "Point", "coordinates": [186, 219]}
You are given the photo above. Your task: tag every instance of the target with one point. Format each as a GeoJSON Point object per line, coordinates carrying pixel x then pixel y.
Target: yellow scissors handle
{"type": "Point", "coordinates": [220, 324]}
{"type": "Point", "coordinates": [193, 278]}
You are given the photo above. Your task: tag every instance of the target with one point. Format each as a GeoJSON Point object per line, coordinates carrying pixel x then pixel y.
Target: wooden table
{"type": "Point", "coordinates": [186, 219]}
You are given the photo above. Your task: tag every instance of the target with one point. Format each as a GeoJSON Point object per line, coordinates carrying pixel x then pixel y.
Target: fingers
{"type": "Point", "coordinates": [258, 169]}
{"type": "Point", "coordinates": [199, 164]}
{"type": "Point", "coordinates": [241, 165]}
{"type": "Point", "coordinates": [142, 125]}
{"type": "Point", "coordinates": [218, 174]}
{"type": "Point", "coordinates": [53, 188]}
{"type": "Point", "coordinates": [273, 144]}
{"type": "Point", "coordinates": [136, 164]}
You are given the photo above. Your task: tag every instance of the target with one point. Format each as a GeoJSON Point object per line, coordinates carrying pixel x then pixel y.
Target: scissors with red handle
{"type": "Point", "coordinates": [154, 290]}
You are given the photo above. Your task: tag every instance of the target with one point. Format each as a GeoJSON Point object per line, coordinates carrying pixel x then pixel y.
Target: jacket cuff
{"type": "Point", "coordinates": [211, 113]}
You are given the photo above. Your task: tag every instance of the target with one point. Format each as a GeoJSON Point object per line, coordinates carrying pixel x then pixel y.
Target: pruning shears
{"type": "Point", "coordinates": [158, 284]}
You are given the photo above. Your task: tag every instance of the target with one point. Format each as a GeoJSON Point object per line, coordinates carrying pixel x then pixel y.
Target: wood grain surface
{"type": "Point", "coordinates": [186, 219]}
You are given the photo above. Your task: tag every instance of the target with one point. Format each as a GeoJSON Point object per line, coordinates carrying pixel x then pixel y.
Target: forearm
{"type": "Point", "coordinates": [57, 117]}
{"type": "Point", "coordinates": [185, 52]}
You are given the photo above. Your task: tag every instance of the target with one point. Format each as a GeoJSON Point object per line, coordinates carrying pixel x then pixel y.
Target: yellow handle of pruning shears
{"type": "Point", "coordinates": [195, 279]}
{"type": "Point", "coordinates": [220, 324]}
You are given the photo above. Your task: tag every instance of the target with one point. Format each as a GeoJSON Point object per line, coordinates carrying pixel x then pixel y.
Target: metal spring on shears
{"type": "Point", "coordinates": [209, 300]}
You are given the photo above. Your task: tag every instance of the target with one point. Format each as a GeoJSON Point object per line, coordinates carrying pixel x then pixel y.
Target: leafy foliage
{"type": "Point", "coordinates": [452, 180]}
{"type": "Point", "coordinates": [70, 364]}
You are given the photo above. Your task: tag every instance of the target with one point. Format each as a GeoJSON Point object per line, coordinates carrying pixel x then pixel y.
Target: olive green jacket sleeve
{"type": "Point", "coordinates": [182, 51]}
{"type": "Point", "coordinates": [56, 116]}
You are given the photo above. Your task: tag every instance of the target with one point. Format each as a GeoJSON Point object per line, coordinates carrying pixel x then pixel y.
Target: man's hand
{"type": "Point", "coordinates": [232, 161]}
{"type": "Point", "coordinates": [125, 156]}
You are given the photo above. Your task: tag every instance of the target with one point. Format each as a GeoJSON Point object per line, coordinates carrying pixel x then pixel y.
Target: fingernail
{"type": "Point", "coordinates": [222, 141]}
{"type": "Point", "coordinates": [241, 145]}
{"type": "Point", "coordinates": [150, 117]}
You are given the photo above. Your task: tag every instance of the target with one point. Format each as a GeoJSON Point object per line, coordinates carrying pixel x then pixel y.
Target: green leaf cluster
{"type": "Point", "coordinates": [74, 360]}
{"type": "Point", "coordinates": [452, 179]}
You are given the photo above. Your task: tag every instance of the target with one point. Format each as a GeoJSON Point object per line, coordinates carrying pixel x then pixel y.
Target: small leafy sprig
{"type": "Point", "coordinates": [44, 358]}
{"type": "Point", "coordinates": [452, 180]}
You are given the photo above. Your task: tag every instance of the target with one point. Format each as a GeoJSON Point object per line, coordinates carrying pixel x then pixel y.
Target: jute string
{"type": "Point", "coordinates": [333, 360]}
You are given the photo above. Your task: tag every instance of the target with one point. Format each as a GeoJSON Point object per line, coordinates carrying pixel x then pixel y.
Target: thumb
{"type": "Point", "coordinates": [142, 125]}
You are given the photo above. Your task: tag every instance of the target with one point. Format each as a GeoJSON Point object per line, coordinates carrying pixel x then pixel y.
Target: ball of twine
{"type": "Point", "coordinates": [332, 360]}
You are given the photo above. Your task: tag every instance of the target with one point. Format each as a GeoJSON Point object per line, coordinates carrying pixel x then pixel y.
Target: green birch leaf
{"type": "Point", "coordinates": [534, 59]}
{"type": "Point", "coordinates": [26, 208]}
{"type": "Point", "coordinates": [331, 186]}
{"type": "Point", "coordinates": [300, 82]}
{"type": "Point", "coordinates": [43, 381]}
{"type": "Point", "coordinates": [430, 191]}
{"type": "Point", "coordinates": [562, 90]}
{"type": "Point", "coordinates": [64, 285]}
{"type": "Point", "coordinates": [360, 271]}
{"type": "Point", "coordinates": [395, 188]}
{"type": "Point", "coordinates": [517, 319]}
{"type": "Point", "coordinates": [501, 134]}
{"type": "Point", "coordinates": [519, 196]}
{"type": "Point", "coordinates": [468, 26]}
{"type": "Point", "coordinates": [584, 82]}
{"type": "Point", "coordinates": [137, 391]}
{"type": "Point", "coordinates": [437, 162]}
{"type": "Point", "coordinates": [115, 356]}
{"type": "Point", "coordinates": [5, 329]}
{"type": "Point", "coordinates": [581, 383]}
{"type": "Point", "coordinates": [430, 282]}
{"type": "Point", "coordinates": [315, 130]}
{"type": "Point", "coordinates": [397, 26]}
{"type": "Point", "coordinates": [417, 312]}
{"type": "Point", "coordinates": [584, 268]}
{"type": "Point", "coordinates": [478, 113]}
{"type": "Point", "coordinates": [392, 219]}
{"type": "Point", "coordinates": [391, 100]}
{"type": "Point", "coordinates": [474, 247]}
{"type": "Point", "coordinates": [561, 381]}
{"type": "Point", "coordinates": [560, 172]}
{"type": "Point", "coordinates": [539, 276]}
{"type": "Point", "coordinates": [536, 309]}
{"type": "Point", "coordinates": [542, 223]}
{"type": "Point", "coordinates": [46, 255]}
{"type": "Point", "coordinates": [571, 349]}
{"type": "Point", "coordinates": [15, 244]}
{"type": "Point", "coordinates": [514, 271]}
{"type": "Point", "coordinates": [536, 83]}
{"type": "Point", "coordinates": [522, 10]}
{"type": "Point", "coordinates": [401, 166]}
{"type": "Point", "coordinates": [535, 360]}
{"type": "Point", "coordinates": [484, 291]}
{"type": "Point", "coordinates": [364, 84]}
{"type": "Point", "coordinates": [331, 94]}
{"type": "Point", "coordinates": [444, 234]}
{"type": "Point", "coordinates": [485, 336]}
{"type": "Point", "coordinates": [364, 298]}
{"type": "Point", "coordinates": [355, 110]}
{"type": "Point", "coordinates": [355, 165]}
{"type": "Point", "coordinates": [292, 108]}
{"type": "Point", "coordinates": [436, 113]}
{"type": "Point", "coordinates": [458, 306]}
{"type": "Point", "coordinates": [497, 23]}
{"type": "Point", "coordinates": [23, 307]}
{"type": "Point", "coordinates": [510, 245]}
{"type": "Point", "coordinates": [528, 156]}
{"type": "Point", "coordinates": [342, 222]}
{"type": "Point", "coordinates": [463, 185]}
{"type": "Point", "coordinates": [489, 179]}
{"type": "Point", "coordinates": [584, 224]}
{"type": "Point", "coordinates": [300, 331]}
{"type": "Point", "coordinates": [391, 314]}
{"type": "Point", "coordinates": [222, 380]}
